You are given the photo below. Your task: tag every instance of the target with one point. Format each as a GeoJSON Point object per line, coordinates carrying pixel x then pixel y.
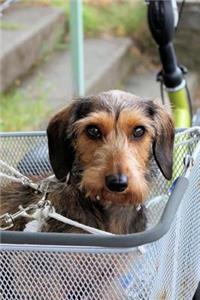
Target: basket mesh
{"type": "Point", "coordinates": [166, 269]}
{"type": "Point", "coordinates": [27, 153]}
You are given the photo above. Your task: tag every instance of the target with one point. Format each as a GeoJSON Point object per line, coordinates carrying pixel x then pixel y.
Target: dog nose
{"type": "Point", "coordinates": [117, 182]}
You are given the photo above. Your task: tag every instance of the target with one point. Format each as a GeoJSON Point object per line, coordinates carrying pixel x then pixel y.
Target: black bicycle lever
{"type": "Point", "coordinates": [161, 24]}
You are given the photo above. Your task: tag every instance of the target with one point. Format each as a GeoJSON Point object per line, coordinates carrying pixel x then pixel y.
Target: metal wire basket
{"type": "Point", "coordinates": [161, 263]}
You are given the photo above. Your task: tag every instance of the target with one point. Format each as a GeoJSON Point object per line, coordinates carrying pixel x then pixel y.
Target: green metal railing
{"type": "Point", "coordinates": [77, 47]}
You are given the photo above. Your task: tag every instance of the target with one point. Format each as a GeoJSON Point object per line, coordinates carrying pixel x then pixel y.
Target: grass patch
{"type": "Point", "coordinates": [10, 25]}
{"type": "Point", "coordinates": [121, 18]}
{"type": "Point", "coordinates": [19, 112]}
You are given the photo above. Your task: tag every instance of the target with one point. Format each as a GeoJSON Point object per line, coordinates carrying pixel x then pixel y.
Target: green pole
{"type": "Point", "coordinates": [77, 55]}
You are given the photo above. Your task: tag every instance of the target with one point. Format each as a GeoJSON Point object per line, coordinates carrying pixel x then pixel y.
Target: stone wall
{"type": "Point", "coordinates": [187, 40]}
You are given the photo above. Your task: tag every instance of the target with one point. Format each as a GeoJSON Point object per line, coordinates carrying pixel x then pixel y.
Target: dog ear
{"type": "Point", "coordinates": [61, 153]}
{"type": "Point", "coordinates": [163, 142]}
{"type": "Point", "coordinates": [60, 137]}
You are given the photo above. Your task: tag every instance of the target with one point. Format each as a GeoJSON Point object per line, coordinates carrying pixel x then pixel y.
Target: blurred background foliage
{"type": "Point", "coordinates": [115, 17]}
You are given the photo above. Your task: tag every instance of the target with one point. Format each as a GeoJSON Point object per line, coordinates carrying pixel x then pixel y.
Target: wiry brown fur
{"type": "Point", "coordinates": [89, 161]}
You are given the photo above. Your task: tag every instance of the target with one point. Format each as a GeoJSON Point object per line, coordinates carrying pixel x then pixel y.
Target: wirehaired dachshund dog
{"type": "Point", "coordinates": [101, 150]}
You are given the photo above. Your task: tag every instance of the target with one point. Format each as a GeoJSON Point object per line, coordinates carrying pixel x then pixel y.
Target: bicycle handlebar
{"type": "Point", "coordinates": [162, 22]}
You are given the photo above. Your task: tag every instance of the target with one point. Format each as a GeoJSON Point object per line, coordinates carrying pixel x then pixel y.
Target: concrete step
{"type": "Point", "coordinates": [31, 32]}
{"type": "Point", "coordinates": [107, 62]}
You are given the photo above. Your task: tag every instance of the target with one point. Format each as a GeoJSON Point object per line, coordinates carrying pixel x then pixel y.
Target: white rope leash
{"type": "Point", "coordinates": [52, 214]}
{"type": "Point", "coordinates": [41, 213]}
{"type": "Point", "coordinates": [48, 211]}
{"type": "Point", "coordinates": [13, 170]}
{"type": "Point", "coordinates": [12, 178]}
{"type": "Point", "coordinates": [18, 177]}
{"type": "Point", "coordinates": [21, 178]}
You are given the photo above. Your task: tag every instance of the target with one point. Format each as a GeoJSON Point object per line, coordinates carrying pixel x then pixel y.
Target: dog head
{"type": "Point", "coordinates": [111, 137]}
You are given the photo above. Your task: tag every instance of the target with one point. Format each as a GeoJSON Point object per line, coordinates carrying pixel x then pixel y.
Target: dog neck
{"type": "Point", "coordinates": [118, 219]}
{"type": "Point", "coordinates": [126, 219]}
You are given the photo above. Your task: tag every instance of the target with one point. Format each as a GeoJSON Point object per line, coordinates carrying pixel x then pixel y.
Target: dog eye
{"type": "Point", "coordinates": [138, 131]}
{"type": "Point", "coordinates": [93, 132]}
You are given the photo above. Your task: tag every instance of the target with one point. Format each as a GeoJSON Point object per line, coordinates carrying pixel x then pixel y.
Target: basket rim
{"type": "Point", "coordinates": [116, 241]}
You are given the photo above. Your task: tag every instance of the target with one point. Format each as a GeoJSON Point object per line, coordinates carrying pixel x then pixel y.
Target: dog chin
{"type": "Point", "coordinates": [121, 199]}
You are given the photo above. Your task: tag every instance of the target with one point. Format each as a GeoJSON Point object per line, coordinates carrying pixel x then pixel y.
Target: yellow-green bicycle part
{"type": "Point", "coordinates": [180, 108]}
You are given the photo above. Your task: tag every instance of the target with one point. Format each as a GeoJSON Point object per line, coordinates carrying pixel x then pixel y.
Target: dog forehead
{"type": "Point", "coordinates": [113, 102]}
{"type": "Point", "coordinates": [116, 100]}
